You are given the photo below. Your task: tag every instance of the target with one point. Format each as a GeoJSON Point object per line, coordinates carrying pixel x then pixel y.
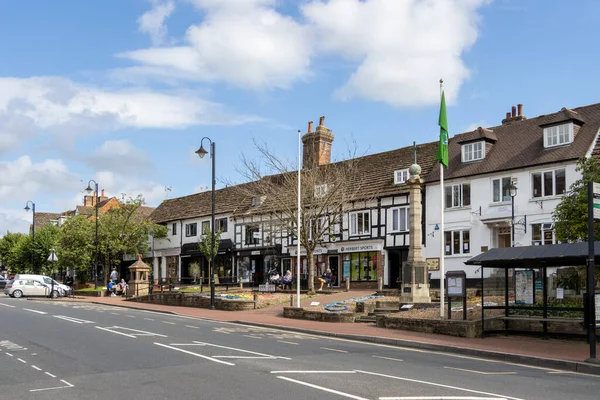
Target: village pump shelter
{"type": "Point", "coordinates": [525, 291]}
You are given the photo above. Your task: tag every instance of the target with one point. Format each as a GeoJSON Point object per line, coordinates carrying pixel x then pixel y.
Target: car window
{"type": "Point", "coordinates": [29, 283]}
{"type": "Point", "coordinates": [36, 283]}
{"type": "Point", "coordinates": [11, 282]}
{"type": "Point", "coordinates": [47, 280]}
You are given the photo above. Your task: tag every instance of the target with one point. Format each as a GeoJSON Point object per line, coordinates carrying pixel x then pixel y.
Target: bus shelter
{"type": "Point", "coordinates": [525, 289]}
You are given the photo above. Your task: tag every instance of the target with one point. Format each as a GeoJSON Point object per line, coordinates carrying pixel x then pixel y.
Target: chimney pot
{"type": "Point", "coordinates": [310, 126]}
{"type": "Point", "coordinates": [322, 120]}
{"type": "Point", "coordinates": [102, 192]}
{"type": "Point", "coordinates": [520, 106]}
{"type": "Point", "coordinates": [514, 111]}
{"type": "Point", "coordinates": [508, 115]}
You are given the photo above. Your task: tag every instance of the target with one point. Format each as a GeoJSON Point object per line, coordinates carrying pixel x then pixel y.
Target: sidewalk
{"type": "Point", "coordinates": [559, 354]}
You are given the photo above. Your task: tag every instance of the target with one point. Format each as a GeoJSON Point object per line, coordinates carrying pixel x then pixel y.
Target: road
{"type": "Point", "coordinates": [86, 351]}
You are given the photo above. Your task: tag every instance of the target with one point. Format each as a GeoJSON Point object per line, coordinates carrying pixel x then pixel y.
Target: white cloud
{"type": "Point", "coordinates": [152, 22]}
{"type": "Point", "coordinates": [14, 221]}
{"type": "Point", "coordinates": [471, 127]}
{"type": "Point", "coordinates": [244, 42]}
{"type": "Point", "coordinates": [53, 104]}
{"type": "Point", "coordinates": [121, 156]}
{"type": "Point", "coordinates": [398, 49]}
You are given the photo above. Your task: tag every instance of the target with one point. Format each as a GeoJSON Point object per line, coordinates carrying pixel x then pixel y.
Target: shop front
{"type": "Point", "coordinates": [223, 268]}
{"type": "Point", "coordinates": [253, 265]}
{"type": "Point", "coordinates": [363, 263]}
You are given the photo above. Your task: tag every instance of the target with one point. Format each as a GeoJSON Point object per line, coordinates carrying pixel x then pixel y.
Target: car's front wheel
{"type": "Point", "coordinates": [17, 293]}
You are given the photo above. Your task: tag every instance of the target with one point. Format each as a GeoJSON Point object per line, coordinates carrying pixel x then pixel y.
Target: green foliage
{"type": "Point", "coordinates": [205, 244]}
{"type": "Point", "coordinates": [570, 215]}
{"type": "Point", "coordinates": [194, 270]}
{"type": "Point", "coordinates": [45, 240]}
{"type": "Point", "coordinates": [75, 245]}
{"type": "Point", "coordinates": [12, 247]}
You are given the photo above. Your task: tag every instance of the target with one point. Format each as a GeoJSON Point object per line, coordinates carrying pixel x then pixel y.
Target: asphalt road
{"type": "Point", "coordinates": [85, 351]}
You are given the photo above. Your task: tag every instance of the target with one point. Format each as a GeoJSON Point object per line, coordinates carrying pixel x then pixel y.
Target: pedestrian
{"type": "Point", "coordinates": [69, 282]}
{"type": "Point", "coordinates": [113, 275]}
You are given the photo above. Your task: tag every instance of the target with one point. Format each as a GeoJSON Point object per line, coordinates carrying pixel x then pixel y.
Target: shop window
{"type": "Point", "coordinates": [542, 234]}
{"type": "Point", "coordinates": [361, 266]}
{"type": "Point", "coordinates": [457, 242]}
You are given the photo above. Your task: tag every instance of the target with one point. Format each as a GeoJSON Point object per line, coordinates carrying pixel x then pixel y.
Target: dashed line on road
{"type": "Point", "coordinates": [8, 354]}
{"type": "Point", "coordinates": [170, 323]}
{"type": "Point", "coordinates": [114, 313]}
{"type": "Point", "coordinates": [388, 358]}
{"type": "Point", "coordinates": [482, 372]}
{"type": "Point", "coordinates": [36, 367]}
{"type": "Point", "coordinates": [327, 348]}
{"type": "Point", "coordinates": [49, 374]}
{"type": "Point", "coordinates": [313, 372]}
{"type": "Point", "coordinates": [192, 326]}
{"type": "Point", "coordinates": [253, 337]}
{"type": "Point", "coordinates": [149, 319]}
{"type": "Point", "coordinates": [23, 361]}
{"type": "Point", "coordinates": [130, 316]}
{"type": "Point", "coordinates": [7, 305]}
{"type": "Point", "coordinates": [283, 341]}
{"type": "Point", "coordinates": [35, 311]}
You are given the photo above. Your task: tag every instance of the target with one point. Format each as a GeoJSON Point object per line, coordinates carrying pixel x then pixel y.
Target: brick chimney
{"type": "Point", "coordinates": [90, 200]}
{"type": "Point", "coordinates": [516, 114]}
{"type": "Point", "coordinates": [316, 145]}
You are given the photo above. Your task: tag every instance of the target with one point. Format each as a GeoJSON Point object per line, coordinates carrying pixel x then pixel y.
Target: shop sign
{"type": "Point", "coordinates": [255, 252]}
{"type": "Point", "coordinates": [316, 252]}
{"type": "Point", "coordinates": [360, 248]}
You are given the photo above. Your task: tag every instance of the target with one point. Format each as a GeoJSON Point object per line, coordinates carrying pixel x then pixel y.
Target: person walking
{"type": "Point", "coordinates": [113, 275]}
{"type": "Point", "coordinates": [69, 282]}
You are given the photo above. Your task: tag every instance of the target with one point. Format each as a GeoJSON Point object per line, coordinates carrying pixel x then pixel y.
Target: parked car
{"type": "Point", "coordinates": [28, 287]}
{"type": "Point", "coordinates": [3, 282]}
{"type": "Point", "coordinates": [63, 290]}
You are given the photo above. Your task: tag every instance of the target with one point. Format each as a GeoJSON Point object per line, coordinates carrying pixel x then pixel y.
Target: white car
{"type": "Point", "coordinates": [62, 290]}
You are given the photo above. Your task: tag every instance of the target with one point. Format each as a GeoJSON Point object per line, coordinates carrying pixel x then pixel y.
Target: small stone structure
{"type": "Point", "coordinates": [138, 284]}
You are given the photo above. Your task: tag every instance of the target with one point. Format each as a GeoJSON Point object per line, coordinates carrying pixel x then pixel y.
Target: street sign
{"type": "Point", "coordinates": [596, 190]}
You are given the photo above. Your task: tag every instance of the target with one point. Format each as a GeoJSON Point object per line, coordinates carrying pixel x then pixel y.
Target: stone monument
{"type": "Point", "coordinates": [139, 284]}
{"type": "Point", "coordinates": [415, 288]}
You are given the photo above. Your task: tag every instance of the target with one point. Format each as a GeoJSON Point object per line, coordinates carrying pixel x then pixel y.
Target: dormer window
{"type": "Point", "coordinates": [401, 176]}
{"type": "Point", "coordinates": [558, 135]}
{"type": "Point", "coordinates": [473, 151]}
{"type": "Point", "coordinates": [320, 191]}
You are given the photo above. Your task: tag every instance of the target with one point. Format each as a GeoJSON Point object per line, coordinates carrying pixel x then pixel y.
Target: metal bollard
{"type": "Point", "coordinates": [347, 284]}
{"type": "Point", "coordinates": [291, 300]}
{"type": "Point", "coordinates": [380, 284]}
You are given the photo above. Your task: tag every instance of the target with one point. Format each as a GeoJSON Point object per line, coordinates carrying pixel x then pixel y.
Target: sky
{"type": "Point", "coordinates": [123, 91]}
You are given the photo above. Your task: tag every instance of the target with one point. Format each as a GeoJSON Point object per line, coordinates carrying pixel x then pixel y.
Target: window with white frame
{"type": "Point", "coordinates": [320, 190]}
{"type": "Point", "coordinates": [549, 183]}
{"type": "Point", "coordinates": [558, 135]}
{"type": "Point", "coordinates": [221, 224]}
{"type": "Point", "coordinates": [359, 223]}
{"type": "Point", "coordinates": [399, 219]}
{"type": "Point", "coordinates": [542, 234]}
{"type": "Point", "coordinates": [205, 227]}
{"type": "Point", "coordinates": [191, 229]}
{"type": "Point", "coordinates": [501, 189]}
{"type": "Point", "coordinates": [401, 176]}
{"type": "Point", "coordinates": [457, 242]}
{"type": "Point", "coordinates": [458, 195]}
{"type": "Point", "coordinates": [472, 151]}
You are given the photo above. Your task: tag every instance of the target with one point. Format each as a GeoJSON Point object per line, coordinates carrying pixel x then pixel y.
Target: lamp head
{"type": "Point", "coordinates": [513, 190]}
{"type": "Point", "coordinates": [27, 207]}
{"type": "Point", "coordinates": [89, 189]}
{"type": "Point", "coordinates": [201, 151]}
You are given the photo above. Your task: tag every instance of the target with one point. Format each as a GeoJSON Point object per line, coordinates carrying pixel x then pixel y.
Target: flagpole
{"type": "Point", "coordinates": [298, 232]}
{"type": "Point", "coordinates": [443, 235]}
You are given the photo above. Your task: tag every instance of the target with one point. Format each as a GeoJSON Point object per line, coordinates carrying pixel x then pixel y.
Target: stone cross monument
{"type": "Point", "coordinates": [415, 288]}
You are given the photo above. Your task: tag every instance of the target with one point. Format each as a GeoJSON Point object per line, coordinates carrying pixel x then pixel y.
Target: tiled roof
{"type": "Point", "coordinates": [44, 218]}
{"type": "Point", "coordinates": [375, 178]}
{"type": "Point", "coordinates": [144, 211]}
{"type": "Point", "coordinates": [85, 210]}
{"type": "Point", "coordinates": [520, 144]}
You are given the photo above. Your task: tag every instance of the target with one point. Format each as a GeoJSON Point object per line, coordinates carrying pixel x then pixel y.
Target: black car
{"type": "Point", "coordinates": [3, 282]}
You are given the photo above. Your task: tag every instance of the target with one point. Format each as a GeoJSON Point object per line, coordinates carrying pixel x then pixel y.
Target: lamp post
{"type": "Point", "coordinates": [513, 192]}
{"type": "Point", "coordinates": [32, 227]}
{"type": "Point", "coordinates": [89, 189]}
{"type": "Point", "coordinates": [52, 258]}
{"type": "Point", "coordinates": [201, 153]}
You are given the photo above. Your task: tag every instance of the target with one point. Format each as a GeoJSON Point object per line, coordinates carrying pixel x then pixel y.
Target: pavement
{"type": "Point", "coordinates": [570, 355]}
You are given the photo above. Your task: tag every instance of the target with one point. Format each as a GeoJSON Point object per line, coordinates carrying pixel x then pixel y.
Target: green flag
{"type": "Point", "coordinates": [442, 153]}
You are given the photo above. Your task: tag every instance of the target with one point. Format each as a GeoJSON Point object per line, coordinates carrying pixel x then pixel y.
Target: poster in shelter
{"type": "Point", "coordinates": [524, 287]}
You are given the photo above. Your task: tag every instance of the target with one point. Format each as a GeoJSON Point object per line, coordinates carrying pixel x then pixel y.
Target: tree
{"type": "Point", "coordinates": [206, 246]}
{"type": "Point", "coordinates": [75, 245]}
{"type": "Point", "coordinates": [327, 193]}
{"type": "Point", "coordinates": [46, 238]}
{"type": "Point", "coordinates": [11, 245]}
{"type": "Point", "coordinates": [194, 269]}
{"type": "Point", "coordinates": [570, 215]}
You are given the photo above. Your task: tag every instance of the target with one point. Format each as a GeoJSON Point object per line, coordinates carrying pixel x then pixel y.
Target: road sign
{"type": "Point", "coordinates": [596, 190]}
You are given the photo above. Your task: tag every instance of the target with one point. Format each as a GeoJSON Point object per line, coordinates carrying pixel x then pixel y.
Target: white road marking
{"type": "Point", "coordinates": [241, 357]}
{"type": "Point", "coordinates": [49, 374]}
{"type": "Point", "coordinates": [114, 313]}
{"type": "Point", "coordinates": [35, 311]}
{"type": "Point", "coordinates": [34, 367]}
{"type": "Point", "coordinates": [149, 319]}
{"type": "Point", "coordinates": [481, 372]}
{"type": "Point", "coordinates": [441, 398]}
{"type": "Point", "coordinates": [388, 358]}
{"type": "Point", "coordinates": [135, 334]}
{"type": "Point", "coordinates": [241, 350]}
{"type": "Point", "coordinates": [8, 354]}
{"type": "Point", "coordinates": [130, 316]}
{"type": "Point", "coordinates": [192, 326]}
{"type": "Point", "coordinates": [23, 361]}
{"type": "Point", "coordinates": [6, 305]}
{"type": "Point", "coordinates": [75, 320]}
{"type": "Point", "coordinates": [253, 337]}
{"type": "Point", "coordinates": [313, 372]}
{"type": "Point", "coordinates": [54, 388]}
{"type": "Point", "coordinates": [350, 396]}
{"type": "Point", "coordinates": [327, 348]}
{"type": "Point", "coordinates": [438, 385]}
{"type": "Point", "coordinates": [193, 354]}
{"type": "Point", "coordinates": [119, 333]}
{"type": "Point", "coordinates": [283, 341]}
{"type": "Point", "coordinates": [170, 323]}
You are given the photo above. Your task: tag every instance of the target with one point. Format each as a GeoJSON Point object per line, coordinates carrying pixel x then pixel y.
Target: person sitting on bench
{"type": "Point", "coordinates": [122, 288]}
{"type": "Point", "coordinates": [287, 279]}
{"type": "Point", "coordinates": [326, 278]}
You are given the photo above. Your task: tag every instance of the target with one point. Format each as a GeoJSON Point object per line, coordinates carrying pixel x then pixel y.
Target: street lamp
{"type": "Point", "coordinates": [513, 192]}
{"type": "Point", "coordinates": [32, 227]}
{"type": "Point", "coordinates": [201, 153]}
{"type": "Point", "coordinates": [89, 190]}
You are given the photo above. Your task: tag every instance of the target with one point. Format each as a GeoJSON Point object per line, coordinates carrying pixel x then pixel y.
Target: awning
{"type": "Point", "coordinates": [191, 249]}
{"type": "Point", "coordinates": [553, 255]}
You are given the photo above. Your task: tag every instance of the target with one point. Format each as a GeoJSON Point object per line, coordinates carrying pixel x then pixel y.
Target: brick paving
{"type": "Point", "coordinates": [528, 347]}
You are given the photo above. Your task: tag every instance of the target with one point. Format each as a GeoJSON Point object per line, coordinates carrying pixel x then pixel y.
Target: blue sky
{"type": "Point", "coordinates": [122, 91]}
